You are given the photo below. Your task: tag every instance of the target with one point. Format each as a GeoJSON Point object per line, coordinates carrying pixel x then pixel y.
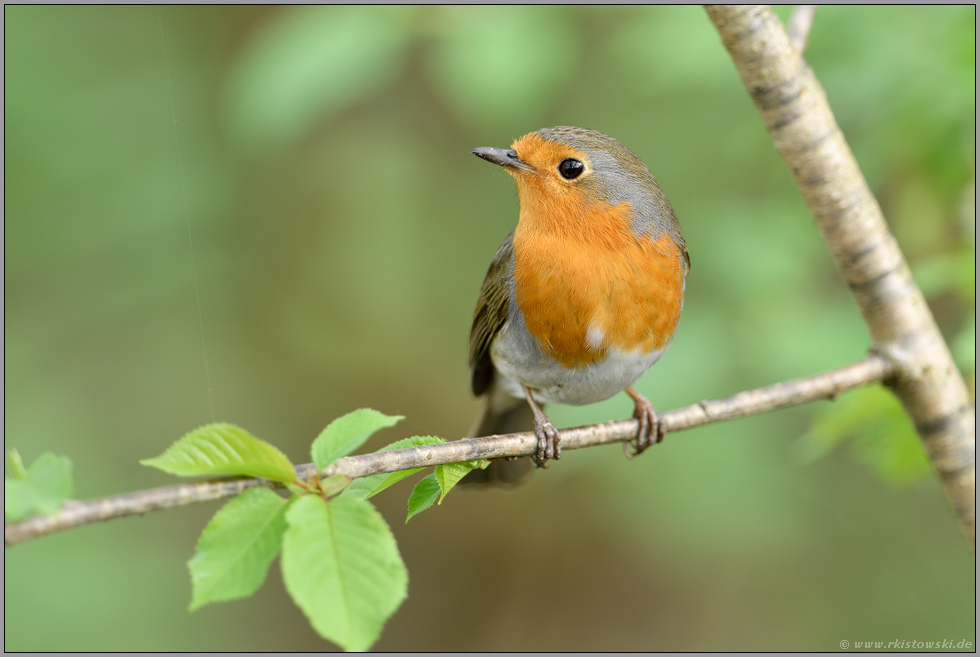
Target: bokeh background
{"type": "Point", "coordinates": [341, 231]}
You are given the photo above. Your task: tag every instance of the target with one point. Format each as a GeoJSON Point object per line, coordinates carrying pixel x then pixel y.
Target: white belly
{"type": "Point", "coordinates": [520, 361]}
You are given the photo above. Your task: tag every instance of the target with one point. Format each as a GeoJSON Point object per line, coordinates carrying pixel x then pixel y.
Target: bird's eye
{"type": "Point", "coordinates": [570, 169]}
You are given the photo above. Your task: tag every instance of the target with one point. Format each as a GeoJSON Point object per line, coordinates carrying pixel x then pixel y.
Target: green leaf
{"type": "Point", "coordinates": [334, 484]}
{"type": "Point", "coordinates": [16, 465]}
{"type": "Point", "coordinates": [367, 487]}
{"type": "Point", "coordinates": [448, 475]}
{"type": "Point", "coordinates": [45, 487]}
{"type": "Point", "coordinates": [236, 548]}
{"type": "Point", "coordinates": [393, 478]}
{"type": "Point", "coordinates": [223, 449]}
{"type": "Point", "coordinates": [347, 433]}
{"type": "Point", "coordinates": [424, 495]}
{"type": "Point", "coordinates": [341, 565]}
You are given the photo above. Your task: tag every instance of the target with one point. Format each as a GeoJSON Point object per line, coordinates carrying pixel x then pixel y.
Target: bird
{"type": "Point", "coordinates": [584, 295]}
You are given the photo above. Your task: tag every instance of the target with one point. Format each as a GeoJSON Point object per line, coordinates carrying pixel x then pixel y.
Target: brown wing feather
{"type": "Point", "coordinates": [490, 315]}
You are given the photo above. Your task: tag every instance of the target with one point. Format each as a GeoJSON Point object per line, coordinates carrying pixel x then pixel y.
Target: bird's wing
{"type": "Point", "coordinates": [490, 316]}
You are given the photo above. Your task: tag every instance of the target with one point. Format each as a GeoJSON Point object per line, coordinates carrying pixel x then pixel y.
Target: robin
{"type": "Point", "coordinates": [585, 293]}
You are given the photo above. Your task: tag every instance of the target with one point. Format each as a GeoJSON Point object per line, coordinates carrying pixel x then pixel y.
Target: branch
{"type": "Point", "coordinates": [799, 26]}
{"type": "Point", "coordinates": [781, 395]}
{"type": "Point", "coordinates": [796, 113]}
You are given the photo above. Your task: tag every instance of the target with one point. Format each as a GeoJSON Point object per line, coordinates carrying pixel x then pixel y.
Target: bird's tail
{"type": "Point", "coordinates": [502, 414]}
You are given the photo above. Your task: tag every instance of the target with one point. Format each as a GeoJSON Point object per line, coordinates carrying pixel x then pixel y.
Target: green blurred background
{"type": "Point", "coordinates": [341, 231]}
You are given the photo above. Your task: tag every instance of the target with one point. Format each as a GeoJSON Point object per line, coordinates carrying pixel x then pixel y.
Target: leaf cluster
{"type": "Point", "coordinates": [340, 561]}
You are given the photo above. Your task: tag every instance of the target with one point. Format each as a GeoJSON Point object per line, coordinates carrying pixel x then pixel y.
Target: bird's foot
{"type": "Point", "coordinates": [549, 440]}
{"type": "Point", "coordinates": [652, 429]}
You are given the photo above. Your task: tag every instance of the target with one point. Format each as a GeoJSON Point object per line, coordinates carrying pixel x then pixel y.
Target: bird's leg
{"type": "Point", "coordinates": [549, 440]}
{"type": "Point", "coordinates": [650, 425]}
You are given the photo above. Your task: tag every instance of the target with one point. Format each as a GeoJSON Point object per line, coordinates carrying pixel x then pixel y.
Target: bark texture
{"type": "Point", "coordinates": [797, 115]}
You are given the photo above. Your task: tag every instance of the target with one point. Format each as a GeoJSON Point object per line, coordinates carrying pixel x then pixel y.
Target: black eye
{"type": "Point", "coordinates": [570, 169]}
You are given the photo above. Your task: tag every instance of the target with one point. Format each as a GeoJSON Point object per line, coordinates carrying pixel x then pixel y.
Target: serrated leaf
{"type": "Point", "coordinates": [392, 478]}
{"type": "Point", "coordinates": [347, 433]}
{"type": "Point", "coordinates": [341, 566]}
{"type": "Point", "coordinates": [424, 495]}
{"type": "Point", "coordinates": [448, 475]}
{"type": "Point", "coordinates": [367, 487]}
{"type": "Point", "coordinates": [236, 548]}
{"type": "Point", "coordinates": [223, 449]}
{"type": "Point", "coordinates": [47, 485]}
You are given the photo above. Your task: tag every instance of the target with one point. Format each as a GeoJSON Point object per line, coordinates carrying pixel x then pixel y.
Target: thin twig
{"type": "Point", "coordinates": [799, 26]}
{"type": "Point", "coordinates": [781, 395]}
{"type": "Point", "coordinates": [795, 110]}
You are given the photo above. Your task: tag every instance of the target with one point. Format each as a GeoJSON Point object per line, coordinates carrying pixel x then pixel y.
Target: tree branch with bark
{"type": "Point", "coordinates": [872, 369]}
{"type": "Point", "coordinates": [795, 110]}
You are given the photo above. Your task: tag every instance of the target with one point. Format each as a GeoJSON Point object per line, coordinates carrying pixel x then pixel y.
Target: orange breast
{"type": "Point", "coordinates": [574, 273]}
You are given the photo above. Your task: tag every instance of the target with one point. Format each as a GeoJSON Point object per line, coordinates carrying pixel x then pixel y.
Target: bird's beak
{"type": "Point", "coordinates": [505, 158]}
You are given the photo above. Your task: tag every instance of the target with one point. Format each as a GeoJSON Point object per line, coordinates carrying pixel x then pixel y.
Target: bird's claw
{"type": "Point", "coordinates": [651, 431]}
{"type": "Point", "coordinates": [549, 441]}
